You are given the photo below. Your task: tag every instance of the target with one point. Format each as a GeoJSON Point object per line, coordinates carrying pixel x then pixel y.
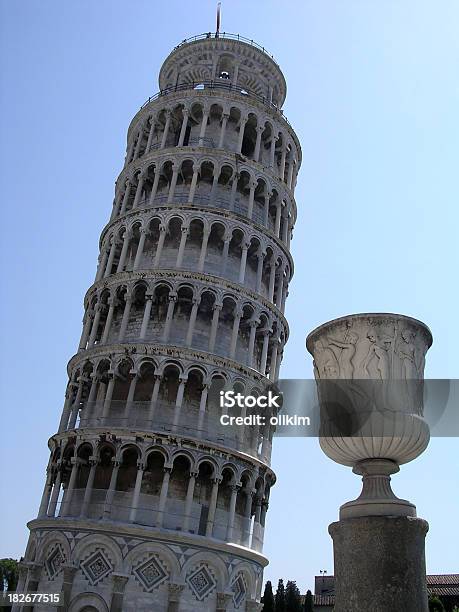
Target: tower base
{"type": "Point", "coordinates": [380, 564]}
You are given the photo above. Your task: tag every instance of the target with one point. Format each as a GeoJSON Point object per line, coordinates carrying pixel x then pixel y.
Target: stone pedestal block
{"type": "Point", "coordinates": [380, 564]}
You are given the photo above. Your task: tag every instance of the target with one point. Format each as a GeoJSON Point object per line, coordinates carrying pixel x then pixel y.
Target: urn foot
{"type": "Point", "coordinates": [377, 497]}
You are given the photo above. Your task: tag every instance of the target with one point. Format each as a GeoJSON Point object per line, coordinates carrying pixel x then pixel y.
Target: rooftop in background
{"type": "Point", "coordinates": [446, 586]}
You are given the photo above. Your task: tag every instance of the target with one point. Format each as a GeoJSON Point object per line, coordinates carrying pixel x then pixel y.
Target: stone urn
{"type": "Point", "coordinates": [369, 371]}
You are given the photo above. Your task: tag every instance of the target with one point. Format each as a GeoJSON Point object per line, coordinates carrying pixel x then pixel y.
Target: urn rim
{"type": "Point", "coordinates": [368, 315]}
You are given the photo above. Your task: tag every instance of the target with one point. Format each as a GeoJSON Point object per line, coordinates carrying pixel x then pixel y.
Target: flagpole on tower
{"type": "Point", "coordinates": [219, 13]}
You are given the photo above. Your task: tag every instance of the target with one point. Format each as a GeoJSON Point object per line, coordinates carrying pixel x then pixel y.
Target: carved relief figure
{"type": "Point", "coordinates": [346, 368]}
{"type": "Point", "coordinates": [325, 362]}
{"type": "Point", "coordinates": [379, 350]}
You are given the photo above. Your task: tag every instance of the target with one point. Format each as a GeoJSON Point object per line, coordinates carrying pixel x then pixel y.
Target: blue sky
{"type": "Point", "coordinates": [373, 95]}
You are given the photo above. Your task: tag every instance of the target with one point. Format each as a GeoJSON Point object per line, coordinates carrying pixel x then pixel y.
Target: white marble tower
{"type": "Point", "coordinates": [149, 503]}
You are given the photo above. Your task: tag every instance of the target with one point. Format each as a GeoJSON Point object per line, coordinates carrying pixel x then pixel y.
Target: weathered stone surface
{"type": "Point", "coordinates": [380, 564]}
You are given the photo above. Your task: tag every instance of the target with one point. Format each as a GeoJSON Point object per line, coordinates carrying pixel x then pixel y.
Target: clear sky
{"type": "Point", "coordinates": [373, 94]}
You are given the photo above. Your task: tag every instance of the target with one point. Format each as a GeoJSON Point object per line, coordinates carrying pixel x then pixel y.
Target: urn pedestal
{"type": "Point", "coordinates": [369, 370]}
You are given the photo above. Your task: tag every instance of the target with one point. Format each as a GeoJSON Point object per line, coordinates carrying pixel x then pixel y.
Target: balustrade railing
{"type": "Point", "coordinates": [206, 427]}
{"type": "Point", "coordinates": [218, 85]}
{"type": "Point", "coordinates": [147, 514]}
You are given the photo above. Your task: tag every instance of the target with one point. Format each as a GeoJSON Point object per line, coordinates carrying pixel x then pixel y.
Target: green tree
{"type": "Point", "coordinates": [9, 574]}
{"type": "Point", "coordinates": [268, 598]}
{"type": "Point", "coordinates": [280, 597]}
{"type": "Point", "coordinates": [435, 604]}
{"type": "Point", "coordinates": [292, 597]}
{"type": "Point", "coordinates": [308, 602]}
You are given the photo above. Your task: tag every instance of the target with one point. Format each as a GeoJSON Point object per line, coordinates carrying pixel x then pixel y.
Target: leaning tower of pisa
{"type": "Point", "coordinates": [150, 503]}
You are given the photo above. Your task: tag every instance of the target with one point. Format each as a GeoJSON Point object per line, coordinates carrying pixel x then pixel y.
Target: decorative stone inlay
{"type": "Point", "coordinates": [201, 582]}
{"type": "Point", "coordinates": [151, 573]}
{"type": "Point", "coordinates": [55, 561]}
{"type": "Point", "coordinates": [96, 567]}
{"type": "Point", "coordinates": [239, 589]}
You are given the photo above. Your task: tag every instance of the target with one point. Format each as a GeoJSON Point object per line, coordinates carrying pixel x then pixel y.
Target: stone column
{"type": "Point", "coordinates": [163, 496]}
{"type": "Point", "coordinates": [225, 118]}
{"type": "Point", "coordinates": [77, 402]}
{"type": "Point", "coordinates": [264, 351]}
{"type": "Point", "coordinates": [272, 152]}
{"type": "Point", "coordinates": [178, 402]}
{"type": "Point", "coordinates": [173, 183]}
{"type": "Point", "coordinates": [226, 243]}
{"type": "Point", "coordinates": [109, 319]}
{"type": "Point", "coordinates": [69, 572]}
{"type": "Point", "coordinates": [253, 186]}
{"type": "Point", "coordinates": [69, 492]}
{"type": "Point", "coordinates": [102, 264]}
{"type": "Point", "coordinates": [146, 315]}
{"type": "Point", "coordinates": [192, 321]}
{"type": "Point", "coordinates": [127, 193]}
{"type": "Point", "coordinates": [154, 398]}
{"type": "Point", "coordinates": [235, 75]}
{"type": "Point", "coordinates": [125, 319]}
{"type": "Point", "coordinates": [169, 316]}
{"type": "Point", "coordinates": [202, 133]}
{"type": "Point", "coordinates": [235, 332]}
{"type": "Point", "coordinates": [154, 187]}
{"type": "Point", "coordinates": [185, 112]}
{"type": "Point", "coordinates": [202, 254]}
{"type": "Point", "coordinates": [108, 396]}
{"type": "Point", "coordinates": [42, 512]}
{"type": "Point", "coordinates": [232, 510]}
{"type": "Point", "coordinates": [202, 407]}
{"type": "Point", "coordinates": [256, 155]}
{"type": "Point", "coordinates": [56, 490]}
{"type": "Point", "coordinates": [111, 257]}
{"type": "Point", "coordinates": [214, 326]}
{"type": "Point", "coordinates": [130, 398]}
{"type": "Point", "coordinates": [166, 129]}
{"type": "Point", "coordinates": [138, 191]}
{"type": "Point", "coordinates": [89, 486]}
{"type": "Point", "coordinates": [272, 278]}
{"type": "Point", "coordinates": [247, 517]}
{"type": "Point", "coordinates": [67, 407]}
{"type": "Point", "coordinates": [23, 571]}
{"type": "Point", "coordinates": [273, 365]}
{"type": "Point", "coordinates": [111, 489]}
{"type": "Point", "coordinates": [278, 219]}
{"type": "Point", "coordinates": [189, 501]}
{"type": "Point", "coordinates": [150, 134]}
{"type": "Point", "coordinates": [122, 261]}
{"type": "Point", "coordinates": [87, 323]}
{"type": "Point", "coordinates": [245, 248]}
{"type": "Point", "coordinates": [194, 180]}
{"type": "Point", "coordinates": [32, 581]}
{"type": "Point", "coordinates": [213, 190]}
{"type": "Point", "coordinates": [212, 508]}
{"type": "Point", "coordinates": [159, 248]}
{"type": "Point", "coordinates": [138, 144]}
{"type": "Point", "coordinates": [380, 563]}
{"type": "Point", "coordinates": [234, 181]}
{"type": "Point", "coordinates": [253, 330]}
{"type": "Point", "coordinates": [223, 601]}
{"type": "Point", "coordinates": [95, 325]}
{"type": "Point", "coordinates": [181, 250]}
{"type": "Point", "coordinates": [290, 172]}
{"type": "Point", "coordinates": [136, 492]}
{"type": "Point", "coordinates": [261, 258]}
{"type": "Point", "coordinates": [175, 591]}
{"type": "Point", "coordinates": [283, 160]}
{"type": "Point", "coordinates": [242, 123]}
{"type": "Point", "coordinates": [119, 584]}
{"type": "Point", "coordinates": [140, 246]}
{"type": "Point", "coordinates": [268, 196]}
